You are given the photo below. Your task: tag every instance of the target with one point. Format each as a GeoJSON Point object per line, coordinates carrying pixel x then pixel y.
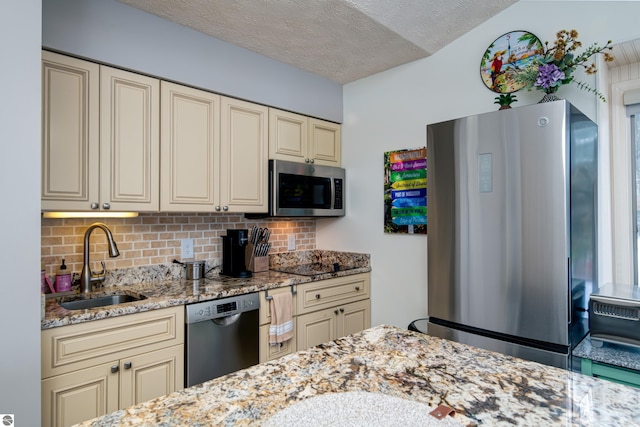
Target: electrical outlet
{"type": "Point", "coordinates": [187, 248]}
{"type": "Point", "coordinates": [291, 242]}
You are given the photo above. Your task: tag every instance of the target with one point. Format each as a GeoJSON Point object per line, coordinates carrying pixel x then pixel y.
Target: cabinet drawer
{"type": "Point", "coordinates": [74, 347]}
{"type": "Point", "coordinates": [265, 305]}
{"type": "Point", "coordinates": [329, 293]}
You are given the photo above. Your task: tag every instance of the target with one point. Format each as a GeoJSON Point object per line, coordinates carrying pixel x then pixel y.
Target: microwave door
{"type": "Point", "coordinates": [301, 190]}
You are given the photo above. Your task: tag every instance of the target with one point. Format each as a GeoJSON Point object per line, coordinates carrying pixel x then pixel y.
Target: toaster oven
{"type": "Point", "coordinates": [614, 315]}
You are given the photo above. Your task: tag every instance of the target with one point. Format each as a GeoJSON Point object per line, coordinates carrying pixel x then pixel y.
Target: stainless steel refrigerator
{"type": "Point", "coordinates": [512, 234]}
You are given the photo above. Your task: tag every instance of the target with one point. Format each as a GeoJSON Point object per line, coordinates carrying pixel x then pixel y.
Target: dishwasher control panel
{"type": "Point", "coordinates": [224, 307]}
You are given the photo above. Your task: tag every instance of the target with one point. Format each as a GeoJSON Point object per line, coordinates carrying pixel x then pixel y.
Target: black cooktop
{"type": "Point", "coordinates": [312, 269]}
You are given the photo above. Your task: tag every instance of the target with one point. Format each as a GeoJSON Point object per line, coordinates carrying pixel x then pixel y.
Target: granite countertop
{"type": "Point", "coordinates": [165, 286]}
{"type": "Point", "coordinates": [612, 354]}
{"type": "Point", "coordinates": [483, 387]}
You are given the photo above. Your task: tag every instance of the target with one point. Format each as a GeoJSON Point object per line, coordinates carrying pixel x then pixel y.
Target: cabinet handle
{"type": "Point", "coordinates": [357, 288]}
{"type": "Point", "coordinates": [127, 365]}
{"type": "Point", "coordinates": [335, 312]}
{"type": "Point", "coordinates": [94, 205]}
{"type": "Point", "coordinates": [312, 161]}
{"type": "Point", "coordinates": [225, 208]}
{"type": "Point", "coordinates": [317, 296]}
{"type": "Point", "coordinates": [342, 310]}
{"type": "Point", "coordinates": [106, 206]}
{"type": "Point", "coordinates": [114, 369]}
{"type": "Point", "coordinates": [217, 208]}
{"type": "Point", "coordinates": [306, 160]}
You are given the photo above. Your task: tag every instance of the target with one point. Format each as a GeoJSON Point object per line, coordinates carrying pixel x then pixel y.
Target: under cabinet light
{"type": "Point", "coordinates": [89, 214]}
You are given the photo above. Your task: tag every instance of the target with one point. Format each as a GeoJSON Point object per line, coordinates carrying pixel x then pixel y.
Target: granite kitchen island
{"type": "Point", "coordinates": [484, 388]}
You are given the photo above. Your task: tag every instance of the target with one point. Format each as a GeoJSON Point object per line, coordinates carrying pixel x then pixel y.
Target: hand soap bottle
{"type": "Point", "coordinates": [63, 279]}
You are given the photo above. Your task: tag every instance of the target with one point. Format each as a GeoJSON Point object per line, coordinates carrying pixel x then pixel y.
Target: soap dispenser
{"type": "Point", "coordinates": [63, 279]}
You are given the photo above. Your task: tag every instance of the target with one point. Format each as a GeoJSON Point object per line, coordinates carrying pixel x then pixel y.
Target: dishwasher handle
{"type": "Point", "coordinates": [226, 320]}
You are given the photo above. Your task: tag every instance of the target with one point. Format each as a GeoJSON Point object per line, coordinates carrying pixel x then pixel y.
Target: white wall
{"type": "Point", "coordinates": [20, 217]}
{"type": "Point", "coordinates": [114, 33]}
{"type": "Point", "coordinates": [391, 110]}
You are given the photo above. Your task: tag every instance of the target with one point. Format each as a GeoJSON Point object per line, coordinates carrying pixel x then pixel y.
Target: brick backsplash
{"type": "Point", "coordinates": [154, 238]}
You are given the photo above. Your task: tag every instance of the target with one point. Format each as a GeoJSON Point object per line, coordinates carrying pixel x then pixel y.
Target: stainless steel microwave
{"type": "Point", "coordinates": [305, 190]}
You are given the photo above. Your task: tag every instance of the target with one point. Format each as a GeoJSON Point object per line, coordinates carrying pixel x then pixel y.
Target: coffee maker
{"type": "Point", "coordinates": [233, 253]}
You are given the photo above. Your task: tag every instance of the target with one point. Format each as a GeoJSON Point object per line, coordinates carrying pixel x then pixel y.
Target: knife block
{"type": "Point", "coordinates": [256, 264]}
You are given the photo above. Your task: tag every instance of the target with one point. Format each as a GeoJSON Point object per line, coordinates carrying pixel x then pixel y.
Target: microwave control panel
{"type": "Point", "coordinates": [337, 203]}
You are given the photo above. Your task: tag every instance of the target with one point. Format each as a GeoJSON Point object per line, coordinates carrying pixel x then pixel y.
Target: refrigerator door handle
{"type": "Point", "coordinates": [570, 292]}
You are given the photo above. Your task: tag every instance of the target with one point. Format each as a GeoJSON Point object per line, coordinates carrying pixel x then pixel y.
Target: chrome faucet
{"type": "Point", "coordinates": [87, 277]}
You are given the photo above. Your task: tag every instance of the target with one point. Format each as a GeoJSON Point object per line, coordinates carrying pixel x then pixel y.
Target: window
{"type": "Point", "coordinates": [633, 111]}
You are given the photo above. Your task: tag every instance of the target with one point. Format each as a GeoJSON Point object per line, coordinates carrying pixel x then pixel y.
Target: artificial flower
{"type": "Point", "coordinates": [555, 66]}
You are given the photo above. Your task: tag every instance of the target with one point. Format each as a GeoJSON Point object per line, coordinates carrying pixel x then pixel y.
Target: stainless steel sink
{"type": "Point", "coordinates": [83, 302]}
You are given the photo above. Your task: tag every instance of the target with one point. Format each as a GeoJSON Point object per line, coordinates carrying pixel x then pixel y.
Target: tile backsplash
{"type": "Point", "coordinates": [155, 238]}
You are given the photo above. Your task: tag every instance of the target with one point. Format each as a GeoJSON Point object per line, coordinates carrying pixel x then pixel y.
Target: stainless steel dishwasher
{"type": "Point", "coordinates": [222, 336]}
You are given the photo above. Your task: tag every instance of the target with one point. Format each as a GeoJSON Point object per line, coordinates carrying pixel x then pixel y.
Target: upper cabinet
{"type": "Point", "coordinates": [214, 152]}
{"type": "Point", "coordinates": [298, 138]}
{"type": "Point", "coordinates": [190, 146]}
{"type": "Point", "coordinates": [121, 141]}
{"type": "Point", "coordinates": [244, 162]}
{"type": "Point", "coordinates": [100, 137]}
{"type": "Point", "coordinates": [70, 133]}
{"type": "Point", "coordinates": [324, 143]}
{"type": "Point", "coordinates": [129, 140]}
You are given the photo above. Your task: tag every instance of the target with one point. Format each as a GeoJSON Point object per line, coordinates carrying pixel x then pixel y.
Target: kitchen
{"type": "Point", "coordinates": [382, 112]}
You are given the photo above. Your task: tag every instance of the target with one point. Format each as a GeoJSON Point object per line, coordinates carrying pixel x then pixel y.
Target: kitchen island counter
{"type": "Point", "coordinates": [483, 387]}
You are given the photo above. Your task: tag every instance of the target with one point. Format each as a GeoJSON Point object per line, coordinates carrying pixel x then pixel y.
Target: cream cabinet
{"type": "Point", "coordinates": [298, 138]}
{"type": "Point", "coordinates": [190, 149]}
{"type": "Point", "coordinates": [214, 152]}
{"type": "Point", "coordinates": [322, 311]}
{"type": "Point", "coordinates": [100, 137]}
{"type": "Point", "coordinates": [244, 162]}
{"type": "Point", "coordinates": [268, 351]}
{"type": "Point", "coordinates": [333, 308]}
{"type": "Point", "coordinates": [98, 367]}
{"type": "Point", "coordinates": [70, 133]}
{"type": "Point", "coordinates": [129, 141]}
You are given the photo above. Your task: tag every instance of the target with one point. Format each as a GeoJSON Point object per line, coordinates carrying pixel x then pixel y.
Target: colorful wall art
{"type": "Point", "coordinates": [405, 191]}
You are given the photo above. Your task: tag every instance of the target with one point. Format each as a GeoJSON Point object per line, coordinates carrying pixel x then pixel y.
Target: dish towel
{"type": "Point", "coordinates": [281, 328]}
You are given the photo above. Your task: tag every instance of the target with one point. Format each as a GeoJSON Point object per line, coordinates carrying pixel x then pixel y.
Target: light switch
{"type": "Point", "coordinates": [187, 248]}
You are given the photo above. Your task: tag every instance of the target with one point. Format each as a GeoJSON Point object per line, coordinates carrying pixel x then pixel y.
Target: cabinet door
{"type": "Point", "coordinates": [189, 149]}
{"type": "Point", "coordinates": [287, 136]}
{"type": "Point", "coordinates": [315, 328]}
{"type": "Point", "coordinates": [354, 317]}
{"type": "Point", "coordinates": [79, 396]}
{"type": "Point", "coordinates": [129, 141]}
{"type": "Point", "coordinates": [70, 133]}
{"type": "Point", "coordinates": [244, 165]}
{"type": "Point", "coordinates": [149, 375]}
{"type": "Point", "coordinates": [271, 352]}
{"type": "Point", "coordinates": [325, 142]}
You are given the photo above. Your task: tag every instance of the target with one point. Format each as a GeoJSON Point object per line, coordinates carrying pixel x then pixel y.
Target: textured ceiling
{"type": "Point", "coordinates": [341, 40]}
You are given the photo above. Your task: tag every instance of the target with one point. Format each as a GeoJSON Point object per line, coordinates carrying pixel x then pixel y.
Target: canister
{"type": "Point", "coordinates": [195, 270]}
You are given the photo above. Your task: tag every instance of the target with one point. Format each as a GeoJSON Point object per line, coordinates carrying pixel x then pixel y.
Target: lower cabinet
{"type": "Point", "coordinates": [322, 310]}
{"type": "Point", "coordinates": [326, 325]}
{"type": "Point", "coordinates": [98, 367]}
{"type": "Point", "coordinates": [274, 351]}
{"type": "Point", "coordinates": [79, 396]}
{"type": "Point", "coordinates": [268, 351]}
